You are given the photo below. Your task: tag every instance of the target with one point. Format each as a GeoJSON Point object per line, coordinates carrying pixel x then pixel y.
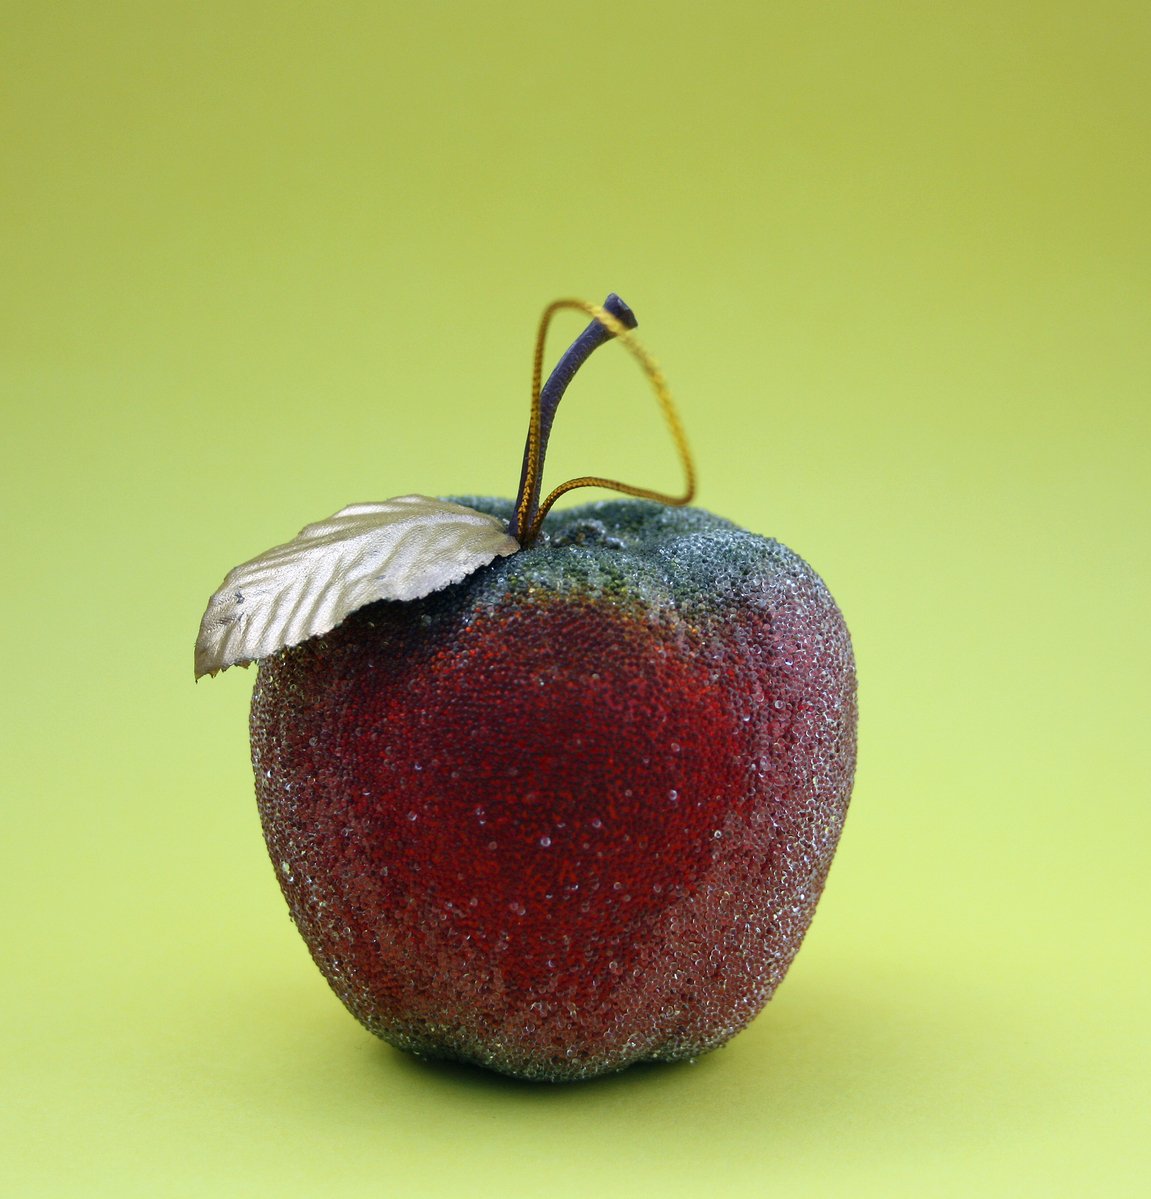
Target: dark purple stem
{"type": "Point", "coordinates": [580, 350]}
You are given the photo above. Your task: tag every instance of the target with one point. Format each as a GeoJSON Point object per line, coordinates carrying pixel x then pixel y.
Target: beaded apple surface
{"type": "Point", "coordinates": [574, 810]}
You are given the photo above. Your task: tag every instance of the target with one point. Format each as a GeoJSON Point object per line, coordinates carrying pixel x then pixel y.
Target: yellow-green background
{"type": "Point", "coordinates": [260, 260]}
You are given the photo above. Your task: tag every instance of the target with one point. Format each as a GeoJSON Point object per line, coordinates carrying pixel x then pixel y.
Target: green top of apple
{"type": "Point", "coordinates": [684, 557]}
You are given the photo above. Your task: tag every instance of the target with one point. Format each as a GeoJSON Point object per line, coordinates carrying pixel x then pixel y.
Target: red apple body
{"type": "Point", "coordinates": [571, 813]}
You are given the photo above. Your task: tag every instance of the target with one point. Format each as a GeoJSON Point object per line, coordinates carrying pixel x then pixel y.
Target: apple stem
{"type": "Point", "coordinates": [613, 319]}
{"type": "Point", "coordinates": [580, 350]}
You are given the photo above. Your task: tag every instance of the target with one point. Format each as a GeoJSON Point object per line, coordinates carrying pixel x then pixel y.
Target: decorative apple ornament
{"type": "Point", "coordinates": [549, 796]}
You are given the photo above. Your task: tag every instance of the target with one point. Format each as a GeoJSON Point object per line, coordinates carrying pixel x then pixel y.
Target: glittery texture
{"type": "Point", "coordinates": [576, 811]}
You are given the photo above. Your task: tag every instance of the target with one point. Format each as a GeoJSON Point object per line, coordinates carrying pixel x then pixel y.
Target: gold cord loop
{"type": "Point", "coordinates": [663, 395]}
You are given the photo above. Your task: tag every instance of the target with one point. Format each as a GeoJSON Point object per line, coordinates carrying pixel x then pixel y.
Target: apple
{"type": "Point", "coordinates": [575, 809]}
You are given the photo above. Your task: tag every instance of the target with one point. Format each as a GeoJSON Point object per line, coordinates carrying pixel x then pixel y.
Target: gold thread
{"type": "Point", "coordinates": [535, 430]}
{"type": "Point", "coordinates": [663, 395]}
